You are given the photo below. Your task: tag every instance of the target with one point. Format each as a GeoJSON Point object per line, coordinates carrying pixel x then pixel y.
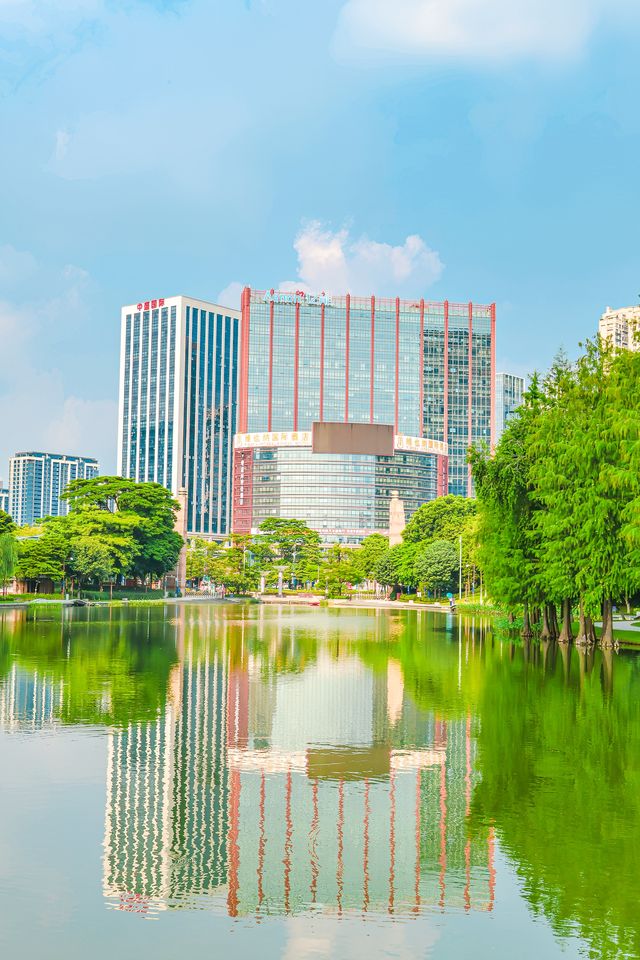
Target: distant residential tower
{"type": "Point", "coordinates": [619, 327]}
{"type": "Point", "coordinates": [37, 480]}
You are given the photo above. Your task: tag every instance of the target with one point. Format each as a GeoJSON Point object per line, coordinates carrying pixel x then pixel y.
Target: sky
{"type": "Point", "coordinates": [480, 150]}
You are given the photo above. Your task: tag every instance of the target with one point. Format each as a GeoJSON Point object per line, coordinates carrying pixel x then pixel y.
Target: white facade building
{"type": "Point", "coordinates": [37, 480]}
{"type": "Point", "coordinates": [4, 498]}
{"type": "Point", "coordinates": [619, 327]}
{"type": "Point", "coordinates": [177, 405]}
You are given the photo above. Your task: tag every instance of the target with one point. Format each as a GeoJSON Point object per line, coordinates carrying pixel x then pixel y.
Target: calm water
{"type": "Point", "coordinates": [222, 781]}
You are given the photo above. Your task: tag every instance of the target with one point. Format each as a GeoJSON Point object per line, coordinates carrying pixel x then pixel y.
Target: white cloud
{"type": "Point", "coordinates": [230, 296]}
{"type": "Point", "coordinates": [337, 263]}
{"type": "Point", "coordinates": [484, 30]}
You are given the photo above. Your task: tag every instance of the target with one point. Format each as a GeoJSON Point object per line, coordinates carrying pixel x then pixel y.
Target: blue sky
{"type": "Point", "coordinates": [461, 149]}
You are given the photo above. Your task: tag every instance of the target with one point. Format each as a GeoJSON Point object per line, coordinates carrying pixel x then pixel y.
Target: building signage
{"type": "Point", "coordinates": [151, 304]}
{"type": "Point", "coordinates": [303, 438]}
{"type": "Point", "coordinates": [300, 438]}
{"type": "Point", "coordinates": [298, 296]}
{"type": "Point", "coordinates": [421, 445]}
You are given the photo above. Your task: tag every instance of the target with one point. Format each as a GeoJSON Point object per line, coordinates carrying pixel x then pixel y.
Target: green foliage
{"type": "Point", "coordinates": [143, 513]}
{"type": "Point", "coordinates": [8, 557]}
{"type": "Point", "coordinates": [42, 558]}
{"type": "Point", "coordinates": [559, 499]}
{"type": "Point", "coordinates": [114, 527]}
{"type": "Point", "coordinates": [444, 518]}
{"type": "Point", "coordinates": [435, 566]}
{"type": "Point", "coordinates": [369, 554]}
{"type": "Point", "coordinates": [6, 523]}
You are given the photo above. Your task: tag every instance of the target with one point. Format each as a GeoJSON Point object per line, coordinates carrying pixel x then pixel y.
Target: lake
{"type": "Point", "coordinates": [214, 780]}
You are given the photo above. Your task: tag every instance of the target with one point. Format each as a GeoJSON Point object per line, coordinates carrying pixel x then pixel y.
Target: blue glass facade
{"type": "Point", "coordinates": [178, 403]}
{"type": "Point", "coordinates": [336, 359]}
{"type": "Point", "coordinates": [426, 368]}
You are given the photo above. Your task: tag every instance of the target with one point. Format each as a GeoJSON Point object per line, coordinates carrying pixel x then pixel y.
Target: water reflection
{"type": "Point", "coordinates": [282, 791]}
{"type": "Point", "coordinates": [265, 762]}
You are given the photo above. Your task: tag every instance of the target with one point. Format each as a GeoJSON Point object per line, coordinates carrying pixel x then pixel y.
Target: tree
{"type": "Point", "coordinates": [339, 569]}
{"type": "Point", "coordinates": [93, 559]}
{"type": "Point", "coordinates": [8, 558]}
{"type": "Point", "coordinates": [509, 542]}
{"type": "Point", "coordinates": [42, 558]}
{"type": "Point", "coordinates": [436, 564]}
{"type": "Point", "coordinates": [441, 519]}
{"type": "Point", "coordinates": [369, 554]}
{"type": "Point", "coordinates": [6, 523]}
{"type": "Point", "coordinates": [145, 511]}
{"type": "Point", "coordinates": [287, 539]}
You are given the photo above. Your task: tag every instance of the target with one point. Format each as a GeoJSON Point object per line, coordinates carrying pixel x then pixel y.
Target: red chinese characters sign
{"type": "Point", "coordinates": [151, 304]}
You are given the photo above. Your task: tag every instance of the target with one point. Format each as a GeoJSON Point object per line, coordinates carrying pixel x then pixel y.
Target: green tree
{"type": "Point", "coordinates": [509, 540]}
{"type": "Point", "coordinates": [8, 558]}
{"type": "Point", "coordinates": [6, 523]}
{"type": "Point", "coordinates": [369, 554]}
{"type": "Point", "coordinates": [287, 539]}
{"type": "Point", "coordinates": [441, 519]}
{"type": "Point", "coordinates": [93, 559]}
{"type": "Point", "coordinates": [436, 565]}
{"type": "Point", "coordinates": [42, 558]}
{"type": "Point", "coordinates": [340, 569]}
{"type": "Point", "coordinates": [143, 513]}
{"type": "Point", "coordinates": [396, 567]}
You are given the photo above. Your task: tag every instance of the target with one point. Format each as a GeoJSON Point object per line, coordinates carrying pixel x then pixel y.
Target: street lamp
{"type": "Point", "coordinates": [460, 573]}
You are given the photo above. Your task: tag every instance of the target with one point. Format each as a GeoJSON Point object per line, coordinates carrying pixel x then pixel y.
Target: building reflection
{"type": "Point", "coordinates": [281, 773]}
{"type": "Point", "coordinates": [266, 791]}
{"type": "Point", "coordinates": [30, 700]}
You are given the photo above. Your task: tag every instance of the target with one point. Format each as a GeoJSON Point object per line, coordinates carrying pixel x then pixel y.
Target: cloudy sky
{"type": "Point", "coordinates": [461, 149]}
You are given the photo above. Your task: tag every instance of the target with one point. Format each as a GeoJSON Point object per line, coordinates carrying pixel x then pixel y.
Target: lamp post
{"type": "Point", "coordinates": [460, 571]}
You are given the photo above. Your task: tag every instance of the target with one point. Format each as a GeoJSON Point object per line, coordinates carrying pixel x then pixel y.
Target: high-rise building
{"type": "Point", "coordinates": [178, 390]}
{"type": "Point", "coordinates": [4, 498]}
{"type": "Point", "coordinates": [509, 393]}
{"type": "Point", "coordinates": [424, 370]}
{"type": "Point", "coordinates": [619, 327]}
{"type": "Point", "coordinates": [37, 480]}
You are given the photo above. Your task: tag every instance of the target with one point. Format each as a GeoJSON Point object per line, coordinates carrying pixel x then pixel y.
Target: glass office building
{"type": "Point", "coordinates": [427, 369]}
{"type": "Point", "coordinates": [458, 377]}
{"type": "Point", "coordinates": [509, 393]}
{"type": "Point", "coordinates": [37, 480]}
{"type": "Point", "coordinates": [344, 496]}
{"type": "Point", "coordinates": [178, 393]}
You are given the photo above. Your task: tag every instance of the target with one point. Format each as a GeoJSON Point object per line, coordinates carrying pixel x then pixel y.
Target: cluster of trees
{"type": "Point", "coordinates": [559, 501]}
{"type": "Point", "coordinates": [114, 528]}
{"type": "Point", "coordinates": [283, 550]}
{"type": "Point", "coordinates": [428, 557]}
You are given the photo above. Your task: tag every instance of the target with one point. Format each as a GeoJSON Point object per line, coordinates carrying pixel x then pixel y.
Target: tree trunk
{"type": "Point", "coordinates": [554, 623]}
{"type": "Point", "coordinates": [606, 640]}
{"type": "Point", "coordinates": [535, 616]}
{"type": "Point", "coordinates": [547, 632]}
{"type": "Point", "coordinates": [566, 634]}
{"type": "Point", "coordinates": [526, 625]}
{"type": "Point", "coordinates": [585, 629]}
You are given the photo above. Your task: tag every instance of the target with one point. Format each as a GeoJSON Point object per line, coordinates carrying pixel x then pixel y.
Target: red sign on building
{"type": "Point", "coordinates": [151, 304]}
